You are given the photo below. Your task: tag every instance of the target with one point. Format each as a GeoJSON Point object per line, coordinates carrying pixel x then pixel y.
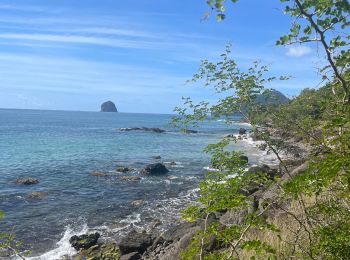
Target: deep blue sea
{"type": "Point", "coordinates": [62, 148]}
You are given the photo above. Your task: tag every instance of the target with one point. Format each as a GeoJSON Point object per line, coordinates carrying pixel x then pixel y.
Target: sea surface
{"type": "Point", "coordinates": [62, 148]}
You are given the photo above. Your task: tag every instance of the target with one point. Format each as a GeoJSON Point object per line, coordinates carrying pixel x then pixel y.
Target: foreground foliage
{"type": "Point", "coordinates": [301, 214]}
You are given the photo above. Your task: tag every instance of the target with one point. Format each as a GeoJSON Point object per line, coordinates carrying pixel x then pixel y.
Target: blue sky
{"type": "Point", "coordinates": [73, 55]}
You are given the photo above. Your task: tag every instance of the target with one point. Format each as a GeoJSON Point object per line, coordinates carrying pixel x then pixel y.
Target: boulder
{"type": "Point", "coordinates": [242, 131]}
{"type": "Point", "coordinates": [123, 169]}
{"type": "Point", "coordinates": [108, 250]}
{"type": "Point", "coordinates": [27, 181]}
{"type": "Point", "coordinates": [129, 178]}
{"type": "Point", "coordinates": [137, 203]}
{"type": "Point", "coordinates": [157, 157]}
{"type": "Point", "coordinates": [131, 256]}
{"type": "Point", "coordinates": [37, 195]}
{"type": "Point", "coordinates": [84, 241]}
{"type": "Point", "coordinates": [108, 106]}
{"type": "Point", "coordinates": [177, 232]}
{"type": "Point", "coordinates": [154, 169]}
{"type": "Point", "coordinates": [135, 242]}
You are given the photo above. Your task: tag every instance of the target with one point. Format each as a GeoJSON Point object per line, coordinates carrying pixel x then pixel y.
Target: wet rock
{"type": "Point", "coordinates": [131, 256]}
{"type": "Point", "coordinates": [137, 203]}
{"type": "Point", "coordinates": [242, 131]}
{"type": "Point", "coordinates": [99, 174]}
{"type": "Point", "coordinates": [154, 169]}
{"type": "Point", "coordinates": [37, 195]}
{"type": "Point", "coordinates": [146, 129]}
{"type": "Point", "coordinates": [230, 136]}
{"type": "Point", "coordinates": [27, 181]}
{"type": "Point", "coordinates": [129, 178]}
{"type": "Point", "coordinates": [157, 157]}
{"type": "Point", "coordinates": [123, 169]}
{"type": "Point", "coordinates": [106, 251]}
{"type": "Point", "coordinates": [84, 241]}
{"type": "Point", "coordinates": [135, 242]}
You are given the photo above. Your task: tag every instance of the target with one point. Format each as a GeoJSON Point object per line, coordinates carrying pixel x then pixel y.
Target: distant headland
{"type": "Point", "coordinates": [108, 106]}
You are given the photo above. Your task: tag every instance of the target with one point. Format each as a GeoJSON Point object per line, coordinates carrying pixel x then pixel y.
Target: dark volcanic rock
{"type": "Point", "coordinates": [154, 169]}
{"type": "Point", "coordinates": [176, 232]}
{"type": "Point", "coordinates": [242, 131]}
{"type": "Point", "coordinates": [108, 107]}
{"type": "Point", "coordinates": [27, 181]}
{"type": "Point", "coordinates": [131, 256]}
{"type": "Point", "coordinates": [146, 129]}
{"type": "Point", "coordinates": [135, 242]}
{"type": "Point", "coordinates": [123, 169]}
{"type": "Point", "coordinates": [84, 241]}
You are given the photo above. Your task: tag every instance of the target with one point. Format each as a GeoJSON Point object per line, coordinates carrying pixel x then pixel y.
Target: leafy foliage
{"type": "Point", "coordinates": [313, 201]}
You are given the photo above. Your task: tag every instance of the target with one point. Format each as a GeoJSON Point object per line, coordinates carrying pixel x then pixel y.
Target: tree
{"type": "Point", "coordinates": [315, 202]}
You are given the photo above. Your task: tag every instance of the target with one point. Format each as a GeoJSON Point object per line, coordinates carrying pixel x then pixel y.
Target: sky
{"type": "Point", "coordinates": [74, 55]}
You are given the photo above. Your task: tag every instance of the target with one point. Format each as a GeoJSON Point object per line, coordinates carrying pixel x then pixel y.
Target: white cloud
{"type": "Point", "coordinates": [298, 51]}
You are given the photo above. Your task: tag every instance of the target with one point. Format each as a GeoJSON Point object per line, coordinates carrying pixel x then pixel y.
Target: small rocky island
{"type": "Point", "coordinates": [108, 106]}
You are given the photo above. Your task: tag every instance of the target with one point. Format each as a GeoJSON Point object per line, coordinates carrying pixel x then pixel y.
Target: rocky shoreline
{"type": "Point", "coordinates": [169, 244]}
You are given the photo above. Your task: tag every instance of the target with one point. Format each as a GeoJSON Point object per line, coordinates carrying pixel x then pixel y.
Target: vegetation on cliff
{"type": "Point", "coordinates": [302, 212]}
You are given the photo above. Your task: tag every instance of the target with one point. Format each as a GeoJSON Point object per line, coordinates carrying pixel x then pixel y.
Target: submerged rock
{"type": "Point", "coordinates": [129, 178]}
{"type": "Point", "coordinates": [37, 195]}
{"type": "Point", "coordinates": [108, 106]}
{"type": "Point", "coordinates": [123, 169]}
{"type": "Point", "coordinates": [27, 181]}
{"type": "Point", "coordinates": [154, 169]}
{"type": "Point", "coordinates": [99, 174]}
{"type": "Point", "coordinates": [135, 242]}
{"type": "Point", "coordinates": [137, 203]}
{"type": "Point", "coordinates": [157, 157]}
{"type": "Point", "coordinates": [84, 241]}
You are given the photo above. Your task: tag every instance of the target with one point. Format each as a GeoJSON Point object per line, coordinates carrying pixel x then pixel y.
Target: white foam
{"type": "Point", "coordinates": [63, 246]}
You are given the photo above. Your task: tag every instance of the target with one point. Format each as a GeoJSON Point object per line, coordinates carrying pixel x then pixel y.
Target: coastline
{"type": "Point", "coordinates": [168, 244]}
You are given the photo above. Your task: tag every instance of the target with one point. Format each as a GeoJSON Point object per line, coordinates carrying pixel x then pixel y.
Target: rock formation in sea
{"type": "Point", "coordinates": [108, 106]}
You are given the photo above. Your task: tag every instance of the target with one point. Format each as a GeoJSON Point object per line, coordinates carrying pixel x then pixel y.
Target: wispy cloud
{"type": "Point", "coordinates": [298, 51]}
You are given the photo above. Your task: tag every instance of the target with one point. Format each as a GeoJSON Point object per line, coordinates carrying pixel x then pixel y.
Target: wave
{"type": "Point", "coordinates": [63, 248]}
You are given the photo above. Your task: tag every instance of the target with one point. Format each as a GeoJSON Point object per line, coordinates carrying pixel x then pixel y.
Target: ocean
{"type": "Point", "coordinates": [62, 148]}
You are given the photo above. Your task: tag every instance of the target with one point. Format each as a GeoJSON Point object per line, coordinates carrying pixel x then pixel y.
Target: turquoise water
{"type": "Point", "coordinates": [62, 148]}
